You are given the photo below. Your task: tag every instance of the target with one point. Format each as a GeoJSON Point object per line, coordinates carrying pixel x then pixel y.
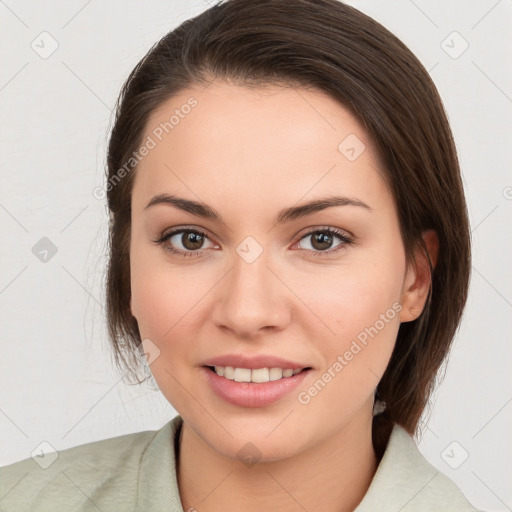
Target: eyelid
{"type": "Point", "coordinates": [313, 229]}
{"type": "Point", "coordinates": [177, 229]}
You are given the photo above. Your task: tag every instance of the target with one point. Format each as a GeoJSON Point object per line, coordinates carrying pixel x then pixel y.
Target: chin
{"type": "Point", "coordinates": [263, 439]}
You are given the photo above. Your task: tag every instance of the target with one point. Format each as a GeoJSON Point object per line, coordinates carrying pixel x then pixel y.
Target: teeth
{"type": "Point", "coordinates": [275, 374]}
{"type": "Point", "coordinates": [229, 372]}
{"type": "Point", "coordinates": [242, 375]}
{"type": "Point", "coordinates": [256, 375]}
{"type": "Point", "coordinates": [260, 375]}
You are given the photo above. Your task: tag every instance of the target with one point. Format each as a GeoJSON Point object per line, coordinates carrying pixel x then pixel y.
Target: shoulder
{"type": "Point", "coordinates": [76, 478]}
{"type": "Point", "coordinates": [406, 481]}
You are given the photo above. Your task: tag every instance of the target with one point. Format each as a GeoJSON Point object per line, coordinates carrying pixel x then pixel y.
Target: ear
{"type": "Point", "coordinates": [418, 278]}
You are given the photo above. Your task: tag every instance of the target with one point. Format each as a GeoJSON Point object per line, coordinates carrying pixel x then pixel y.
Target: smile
{"type": "Point", "coordinates": [269, 385]}
{"type": "Point", "coordinates": [257, 375]}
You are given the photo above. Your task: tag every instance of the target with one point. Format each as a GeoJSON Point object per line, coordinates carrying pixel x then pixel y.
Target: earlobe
{"type": "Point", "coordinates": [418, 278]}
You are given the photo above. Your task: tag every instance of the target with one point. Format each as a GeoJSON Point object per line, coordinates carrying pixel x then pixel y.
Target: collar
{"type": "Point", "coordinates": [404, 481]}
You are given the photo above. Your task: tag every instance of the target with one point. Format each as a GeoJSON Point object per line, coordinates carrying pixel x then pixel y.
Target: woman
{"type": "Point", "coordinates": [289, 250]}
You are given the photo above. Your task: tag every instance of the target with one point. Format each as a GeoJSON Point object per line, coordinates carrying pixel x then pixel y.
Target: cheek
{"type": "Point", "coordinates": [362, 310]}
{"type": "Point", "coordinates": [154, 294]}
{"type": "Point", "coordinates": [169, 304]}
{"type": "Point", "coordinates": [357, 296]}
{"type": "Point", "coordinates": [164, 303]}
{"type": "Point", "coordinates": [159, 290]}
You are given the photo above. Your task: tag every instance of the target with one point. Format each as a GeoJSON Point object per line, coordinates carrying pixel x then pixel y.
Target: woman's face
{"type": "Point", "coordinates": [260, 282]}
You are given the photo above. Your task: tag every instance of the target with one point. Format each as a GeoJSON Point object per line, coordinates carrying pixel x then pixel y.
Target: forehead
{"type": "Point", "coordinates": [274, 143]}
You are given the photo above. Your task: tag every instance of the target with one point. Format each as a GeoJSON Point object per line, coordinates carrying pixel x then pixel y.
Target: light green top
{"type": "Point", "coordinates": [137, 472]}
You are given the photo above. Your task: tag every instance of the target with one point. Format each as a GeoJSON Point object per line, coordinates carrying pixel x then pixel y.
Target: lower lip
{"type": "Point", "coordinates": [253, 394]}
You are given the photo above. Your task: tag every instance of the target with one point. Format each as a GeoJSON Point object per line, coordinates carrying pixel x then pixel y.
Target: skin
{"type": "Point", "coordinates": [249, 153]}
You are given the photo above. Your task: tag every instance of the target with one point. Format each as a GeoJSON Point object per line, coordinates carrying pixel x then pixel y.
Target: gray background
{"type": "Point", "coordinates": [58, 384]}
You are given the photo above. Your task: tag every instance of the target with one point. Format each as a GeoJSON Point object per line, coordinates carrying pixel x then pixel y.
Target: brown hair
{"type": "Point", "coordinates": [328, 46]}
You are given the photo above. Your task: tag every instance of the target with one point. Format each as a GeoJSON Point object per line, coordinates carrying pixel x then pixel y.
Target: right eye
{"type": "Point", "coordinates": [190, 240]}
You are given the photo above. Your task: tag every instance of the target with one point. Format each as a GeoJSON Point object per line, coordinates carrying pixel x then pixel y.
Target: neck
{"type": "Point", "coordinates": [332, 476]}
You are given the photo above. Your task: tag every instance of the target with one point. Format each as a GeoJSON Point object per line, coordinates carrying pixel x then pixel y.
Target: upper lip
{"type": "Point", "coordinates": [253, 362]}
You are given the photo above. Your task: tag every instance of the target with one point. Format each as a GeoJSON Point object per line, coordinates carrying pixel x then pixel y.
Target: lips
{"type": "Point", "coordinates": [253, 394]}
{"type": "Point", "coordinates": [255, 362]}
{"type": "Point", "coordinates": [250, 394]}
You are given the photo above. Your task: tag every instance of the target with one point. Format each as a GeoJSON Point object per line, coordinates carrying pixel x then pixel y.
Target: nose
{"type": "Point", "coordinates": [252, 299]}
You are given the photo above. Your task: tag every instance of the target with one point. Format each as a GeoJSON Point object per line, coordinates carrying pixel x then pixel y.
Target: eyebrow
{"type": "Point", "coordinates": [288, 214]}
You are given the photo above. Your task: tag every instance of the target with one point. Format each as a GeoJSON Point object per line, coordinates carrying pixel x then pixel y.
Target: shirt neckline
{"type": "Point", "coordinates": [401, 476]}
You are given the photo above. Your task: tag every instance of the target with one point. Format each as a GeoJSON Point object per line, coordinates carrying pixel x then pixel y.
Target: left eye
{"type": "Point", "coordinates": [322, 240]}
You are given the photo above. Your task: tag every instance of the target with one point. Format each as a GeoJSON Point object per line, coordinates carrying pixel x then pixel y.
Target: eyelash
{"type": "Point", "coordinates": [333, 231]}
